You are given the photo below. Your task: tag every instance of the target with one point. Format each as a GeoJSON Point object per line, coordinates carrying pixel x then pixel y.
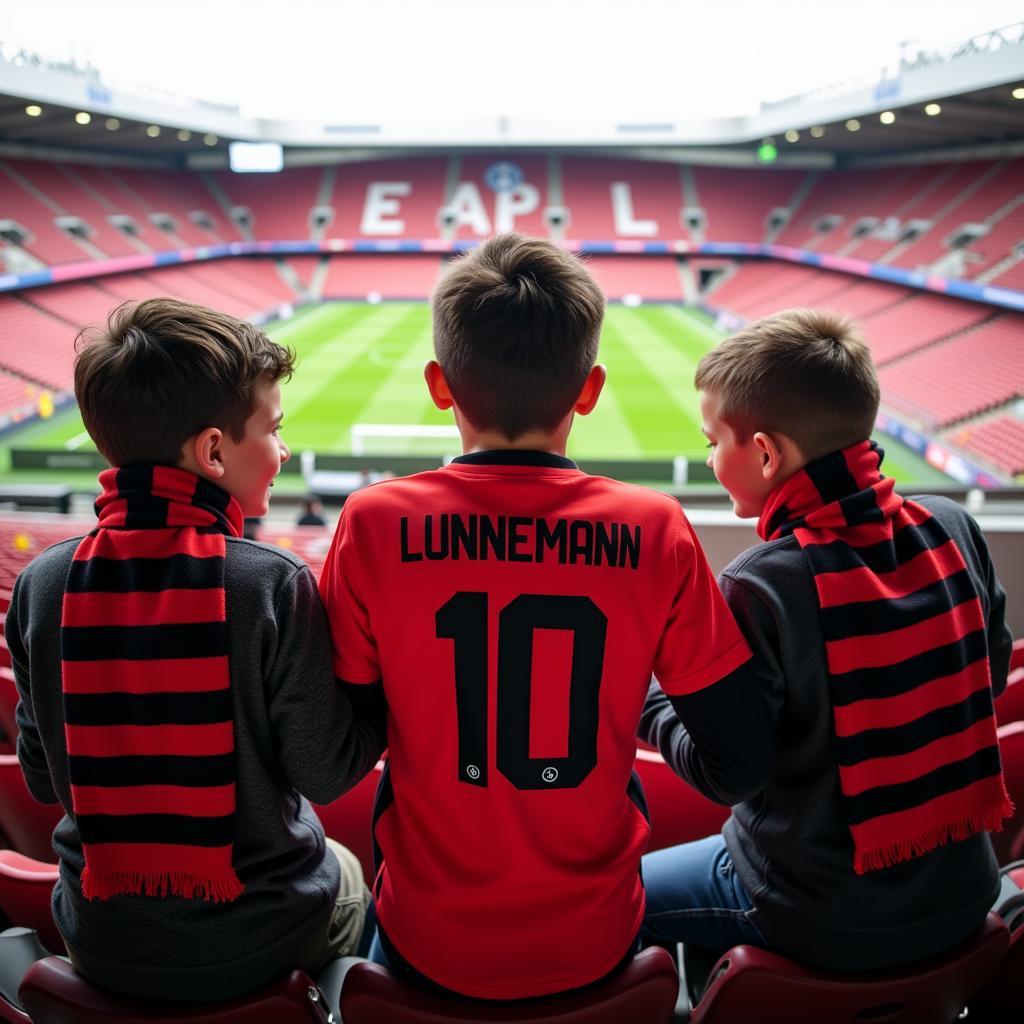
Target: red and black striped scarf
{"type": "Point", "coordinates": [907, 654]}
{"type": "Point", "coordinates": [147, 697]}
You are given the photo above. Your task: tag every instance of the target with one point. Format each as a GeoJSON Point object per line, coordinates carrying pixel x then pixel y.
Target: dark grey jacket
{"type": "Point", "coordinates": [294, 733]}
{"type": "Point", "coordinates": [787, 836]}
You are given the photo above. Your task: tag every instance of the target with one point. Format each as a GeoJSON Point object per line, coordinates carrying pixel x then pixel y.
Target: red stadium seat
{"type": "Point", "coordinates": [1002, 997]}
{"type": "Point", "coordinates": [348, 820]}
{"type": "Point", "coordinates": [1010, 703]}
{"type": "Point", "coordinates": [8, 702]}
{"type": "Point", "coordinates": [1009, 844]}
{"type": "Point", "coordinates": [27, 824]}
{"type": "Point", "coordinates": [747, 981]}
{"type": "Point", "coordinates": [645, 991]}
{"type": "Point", "coordinates": [25, 889]}
{"type": "Point", "coordinates": [679, 814]}
{"type": "Point", "coordinates": [54, 994]}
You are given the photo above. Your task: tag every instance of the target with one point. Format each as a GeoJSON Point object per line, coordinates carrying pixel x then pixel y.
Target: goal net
{"type": "Point", "coordinates": [403, 439]}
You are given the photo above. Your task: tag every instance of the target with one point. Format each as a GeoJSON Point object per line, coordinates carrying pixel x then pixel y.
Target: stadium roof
{"type": "Point", "coordinates": [639, 93]}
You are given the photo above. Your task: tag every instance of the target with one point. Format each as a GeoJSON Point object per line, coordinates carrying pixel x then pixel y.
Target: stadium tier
{"type": "Point", "coordinates": [999, 440]}
{"type": "Point", "coordinates": [655, 279]}
{"type": "Point", "coordinates": [952, 380]}
{"type": "Point", "coordinates": [397, 276]}
{"type": "Point", "coordinates": [908, 217]}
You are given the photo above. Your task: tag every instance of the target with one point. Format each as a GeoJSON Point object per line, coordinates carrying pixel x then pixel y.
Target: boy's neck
{"type": "Point", "coordinates": [474, 440]}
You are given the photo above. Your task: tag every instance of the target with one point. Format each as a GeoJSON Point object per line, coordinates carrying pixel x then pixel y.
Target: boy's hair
{"type": "Point", "coordinates": [516, 327]}
{"type": "Point", "coordinates": [805, 373]}
{"type": "Point", "coordinates": [164, 370]}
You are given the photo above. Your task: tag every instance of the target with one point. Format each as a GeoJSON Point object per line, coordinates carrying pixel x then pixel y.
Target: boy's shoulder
{"type": "Point", "coordinates": [774, 562]}
{"type": "Point", "coordinates": [50, 567]}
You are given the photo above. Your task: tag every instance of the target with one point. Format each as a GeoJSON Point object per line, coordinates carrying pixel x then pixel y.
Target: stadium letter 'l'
{"type": "Point", "coordinates": [622, 210]}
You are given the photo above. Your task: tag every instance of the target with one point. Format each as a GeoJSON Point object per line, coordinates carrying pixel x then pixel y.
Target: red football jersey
{"type": "Point", "coordinates": [515, 609]}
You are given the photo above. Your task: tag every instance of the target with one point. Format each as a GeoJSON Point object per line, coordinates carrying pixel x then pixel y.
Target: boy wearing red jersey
{"type": "Point", "coordinates": [510, 609]}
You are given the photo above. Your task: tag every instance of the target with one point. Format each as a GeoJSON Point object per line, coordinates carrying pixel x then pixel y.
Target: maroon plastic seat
{"type": "Point", "coordinates": [25, 889]}
{"type": "Point", "coordinates": [1010, 703]}
{"type": "Point", "coordinates": [53, 993]}
{"type": "Point", "coordinates": [1002, 996]}
{"type": "Point", "coordinates": [749, 983]}
{"type": "Point", "coordinates": [644, 992]}
{"type": "Point", "coordinates": [8, 702]}
{"type": "Point", "coordinates": [1009, 843]}
{"type": "Point", "coordinates": [27, 824]}
{"type": "Point", "coordinates": [348, 820]}
{"type": "Point", "coordinates": [679, 814]}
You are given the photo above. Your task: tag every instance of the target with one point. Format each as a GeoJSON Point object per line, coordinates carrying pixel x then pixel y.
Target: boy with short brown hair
{"type": "Point", "coordinates": [511, 609]}
{"type": "Point", "coordinates": [877, 624]}
{"type": "Point", "coordinates": [175, 680]}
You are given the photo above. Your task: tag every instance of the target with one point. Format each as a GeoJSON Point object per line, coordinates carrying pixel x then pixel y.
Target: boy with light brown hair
{"type": "Point", "coordinates": [877, 625]}
{"type": "Point", "coordinates": [175, 680]}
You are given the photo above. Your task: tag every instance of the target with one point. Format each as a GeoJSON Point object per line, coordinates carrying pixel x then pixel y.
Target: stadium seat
{"type": "Point", "coordinates": [679, 814]}
{"type": "Point", "coordinates": [25, 889]}
{"type": "Point", "coordinates": [1009, 843]}
{"type": "Point", "coordinates": [1010, 703]}
{"type": "Point", "coordinates": [349, 819]}
{"type": "Point", "coordinates": [8, 702]}
{"type": "Point", "coordinates": [27, 824]}
{"type": "Point", "coordinates": [747, 980]}
{"type": "Point", "coordinates": [1002, 996]}
{"type": "Point", "coordinates": [53, 993]}
{"type": "Point", "coordinates": [645, 991]}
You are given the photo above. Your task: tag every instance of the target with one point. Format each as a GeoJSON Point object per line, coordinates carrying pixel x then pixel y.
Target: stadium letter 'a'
{"type": "Point", "coordinates": [622, 210]}
{"type": "Point", "coordinates": [467, 209]}
{"type": "Point", "coordinates": [381, 204]}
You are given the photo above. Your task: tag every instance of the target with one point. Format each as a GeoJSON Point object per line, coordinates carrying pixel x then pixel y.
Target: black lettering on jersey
{"type": "Point", "coordinates": [476, 537]}
{"type": "Point", "coordinates": [549, 538]}
{"type": "Point", "coordinates": [407, 555]}
{"type": "Point", "coordinates": [436, 553]}
{"type": "Point", "coordinates": [518, 539]}
{"type": "Point", "coordinates": [464, 535]}
{"type": "Point", "coordinates": [582, 542]}
{"type": "Point", "coordinates": [630, 549]}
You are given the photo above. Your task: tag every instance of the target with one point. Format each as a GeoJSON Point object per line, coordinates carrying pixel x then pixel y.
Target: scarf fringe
{"type": "Point", "coordinates": [222, 889]}
{"type": "Point", "coordinates": [990, 820]}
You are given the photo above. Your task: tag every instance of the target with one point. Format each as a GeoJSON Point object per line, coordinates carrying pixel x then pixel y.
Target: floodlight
{"type": "Point", "coordinates": [210, 139]}
{"type": "Point", "coordinates": [112, 124]}
{"type": "Point", "coordinates": [153, 131]}
{"type": "Point", "coordinates": [184, 135]}
{"type": "Point", "coordinates": [246, 157]}
{"type": "Point", "coordinates": [817, 131]}
{"type": "Point", "coordinates": [792, 135]}
{"type": "Point", "coordinates": [853, 125]}
{"type": "Point", "coordinates": [33, 110]}
{"type": "Point", "coordinates": [1018, 93]}
{"type": "Point", "coordinates": [766, 153]}
{"type": "Point", "coordinates": [887, 117]}
{"type": "Point", "coordinates": [82, 117]}
{"type": "Point", "coordinates": [932, 109]}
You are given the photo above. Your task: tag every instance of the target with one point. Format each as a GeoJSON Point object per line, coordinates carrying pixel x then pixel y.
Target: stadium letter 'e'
{"type": "Point", "coordinates": [381, 202]}
{"type": "Point", "coordinates": [622, 210]}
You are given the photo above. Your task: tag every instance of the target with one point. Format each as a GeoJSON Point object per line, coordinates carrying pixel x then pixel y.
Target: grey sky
{"type": "Point", "coordinates": [649, 59]}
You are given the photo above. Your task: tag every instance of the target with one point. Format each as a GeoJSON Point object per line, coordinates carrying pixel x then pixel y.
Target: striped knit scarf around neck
{"type": "Point", "coordinates": [907, 654]}
{"type": "Point", "coordinates": [147, 698]}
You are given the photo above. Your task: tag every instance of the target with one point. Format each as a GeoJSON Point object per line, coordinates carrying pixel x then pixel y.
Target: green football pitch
{"type": "Point", "coordinates": [360, 363]}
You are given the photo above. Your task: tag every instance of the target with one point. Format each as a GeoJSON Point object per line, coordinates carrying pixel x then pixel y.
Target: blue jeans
{"type": "Point", "coordinates": [694, 896]}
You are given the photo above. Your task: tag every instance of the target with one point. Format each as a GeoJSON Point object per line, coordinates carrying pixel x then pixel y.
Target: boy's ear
{"type": "Point", "coordinates": [437, 385]}
{"type": "Point", "coordinates": [591, 390]}
{"type": "Point", "coordinates": [202, 454]}
{"type": "Point", "coordinates": [770, 452]}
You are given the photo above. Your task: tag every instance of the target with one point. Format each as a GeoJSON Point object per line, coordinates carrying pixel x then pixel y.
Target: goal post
{"type": "Point", "coordinates": [398, 438]}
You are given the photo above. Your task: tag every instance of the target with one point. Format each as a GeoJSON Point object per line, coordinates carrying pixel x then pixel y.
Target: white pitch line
{"type": "Point", "coordinates": [76, 442]}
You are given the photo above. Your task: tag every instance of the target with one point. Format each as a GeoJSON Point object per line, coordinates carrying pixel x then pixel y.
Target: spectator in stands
{"type": "Point", "coordinates": [190, 698]}
{"type": "Point", "coordinates": [877, 624]}
{"type": "Point", "coordinates": [510, 855]}
{"type": "Point", "coordinates": [312, 512]}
